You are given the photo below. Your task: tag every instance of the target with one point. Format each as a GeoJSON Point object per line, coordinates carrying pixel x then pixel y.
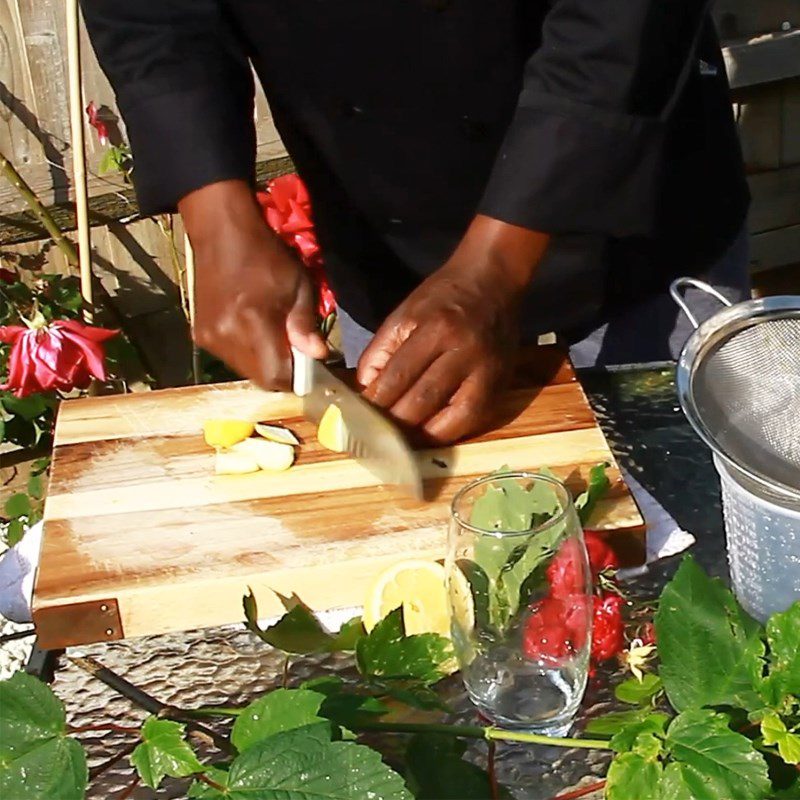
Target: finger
{"type": "Point", "coordinates": [405, 366]}
{"type": "Point", "coordinates": [270, 362]}
{"type": "Point", "coordinates": [384, 344]}
{"type": "Point", "coordinates": [301, 324]}
{"type": "Point", "coordinates": [466, 412]}
{"type": "Point", "coordinates": [430, 394]}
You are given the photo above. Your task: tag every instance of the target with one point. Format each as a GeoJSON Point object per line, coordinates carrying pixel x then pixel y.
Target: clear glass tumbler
{"type": "Point", "coordinates": [519, 586]}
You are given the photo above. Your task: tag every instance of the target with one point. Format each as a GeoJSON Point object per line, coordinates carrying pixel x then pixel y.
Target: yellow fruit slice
{"type": "Point", "coordinates": [232, 463]}
{"type": "Point", "coordinates": [332, 433]}
{"type": "Point", "coordinates": [226, 432]}
{"type": "Point", "coordinates": [276, 433]}
{"type": "Point", "coordinates": [271, 456]}
{"type": "Point", "coordinates": [419, 587]}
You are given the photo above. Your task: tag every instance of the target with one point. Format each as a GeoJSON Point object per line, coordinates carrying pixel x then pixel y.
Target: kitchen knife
{"type": "Point", "coordinates": [371, 439]}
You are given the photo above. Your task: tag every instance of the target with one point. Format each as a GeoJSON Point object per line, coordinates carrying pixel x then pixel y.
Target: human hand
{"type": "Point", "coordinates": [254, 298]}
{"type": "Point", "coordinates": [440, 358]}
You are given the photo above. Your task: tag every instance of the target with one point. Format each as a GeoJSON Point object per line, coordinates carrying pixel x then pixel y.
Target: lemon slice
{"type": "Point", "coordinates": [230, 462]}
{"type": "Point", "coordinates": [462, 604]}
{"type": "Point", "coordinates": [332, 433]}
{"type": "Point", "coordinates": [226, 432]}
{"type": "Point", "coordinates": [271, 456]}
{"type": "Point", "coordinates": [419, 587]}
{"type": "Point", "coordinates": [277, 433]}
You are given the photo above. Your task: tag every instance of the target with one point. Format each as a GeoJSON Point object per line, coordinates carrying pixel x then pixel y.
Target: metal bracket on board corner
{"type": "Point", "coordinates": [58, 627]}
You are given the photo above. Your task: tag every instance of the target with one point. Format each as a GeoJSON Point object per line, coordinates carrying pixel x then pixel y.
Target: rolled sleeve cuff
{"type": "Point", "coordinates": [569, 168]}
{"type": "Point", "coordinates": [183, 140]}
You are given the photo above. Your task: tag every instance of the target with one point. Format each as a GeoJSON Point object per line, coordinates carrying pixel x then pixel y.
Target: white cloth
{"type": "Point", "coordinates": [17, 571]}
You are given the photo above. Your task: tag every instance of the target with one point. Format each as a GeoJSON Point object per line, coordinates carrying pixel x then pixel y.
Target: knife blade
{"type": "Point", "coordinates": [371, 438]}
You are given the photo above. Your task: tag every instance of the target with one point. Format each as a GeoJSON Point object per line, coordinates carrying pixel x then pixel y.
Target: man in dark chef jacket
{"type": "Point", "coordinates": [481, 171]}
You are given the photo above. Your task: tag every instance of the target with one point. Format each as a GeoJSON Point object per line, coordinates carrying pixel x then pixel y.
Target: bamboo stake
{"type": "Point", "coordinates": [79, 157]}
{"type": "Point", "coordinates": [190, 287]}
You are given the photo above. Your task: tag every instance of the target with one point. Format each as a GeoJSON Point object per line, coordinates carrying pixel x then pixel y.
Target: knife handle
{"type": "Point", "coordinates": [301, 373]}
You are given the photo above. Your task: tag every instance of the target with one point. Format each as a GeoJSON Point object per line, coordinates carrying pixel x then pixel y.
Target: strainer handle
{"type": "Point", "coordinates": [679, 284]}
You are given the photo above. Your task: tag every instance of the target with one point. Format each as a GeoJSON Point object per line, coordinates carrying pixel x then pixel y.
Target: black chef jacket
{"type": "Point", "coordinates": [606, 123]}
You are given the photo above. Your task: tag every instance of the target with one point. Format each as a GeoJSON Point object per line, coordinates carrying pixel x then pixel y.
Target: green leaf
{"type": "Point", "coordinates": [388, 653]}
{"type": "Point", "coordinates": [18, 505]}
{"type": "Point", "coordinates": [30, 407]}
{"type": "Point", "coordinates": [774, 731]}
{"type": "Point", "coordinates": [412, 693]}
{"type": "Point", "coordinates": [163, 751]}
{"type": "Point", "coordinates": [712, 761]}
{"type": "Point", "coordinates": [615, 721]}
{"type": "Point", "coordinates": [299, 631]}
{"type": "Point", "coordinates": [783, 660]}
{"type": "Point", "coordinates": [626, 739]}
{"type": "Point", "coordinates": [202, 791]}
{"type": "Point", "coordinates": [709, 648]}
{"type": "Point", "coordinates": [639, 693]}
{"type": "Point", "coordinates": [35, 488]}
{"type": "Point", "coordinates": [633, 777]}
{"type": "Point", "coordinates": [280, 710]}
{"type": "Point", "coordinates": [436, 770]}
{"type": "Point", "coordinates": [37, 759]}
{"type": "Point", "coordinates": [598, 486]}
{"type": "Point", "coordinates": [303, 764]}
{"type": "Point", "coordinates": [14, 532]}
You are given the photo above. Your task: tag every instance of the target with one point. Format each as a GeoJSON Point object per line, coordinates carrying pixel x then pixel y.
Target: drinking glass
{"type": "Point", "coordinates": [519, 587]}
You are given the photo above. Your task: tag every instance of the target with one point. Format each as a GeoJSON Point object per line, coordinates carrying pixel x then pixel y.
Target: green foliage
{"type": "Point", "coordinates": [38, 761]}
{"type": "Point", "coordinates": [629, 737]}
{"type": "Point", "coordinates": [638, 692]}
{"type": "Point", "coordinates": [387, 653]}
{"type": "Point", "coordinates": [299, 631]}
{"type": "Point", "coordinates": [599, 484]}
{"type": "Point", "coordinates": [775, 732]}
{"type": "Point", "coordinates": [436, 770]}
{"type": "Point", "coordinates": [709, 648]}
{"type": "Point", "coordinates": [616, 721]}
{"type": "Point", "coordinates": [163, 751]}
{"type": "Point", "coordinates": [778, 678]}
{"type": "Point", "coordinates": [202, 791]}
{"type": "Point", "coordinates": [631, 775]}
{"type": "Point", "coordinates": [280, 710]}
{"type": "Point", "coordinates": [303, 764]}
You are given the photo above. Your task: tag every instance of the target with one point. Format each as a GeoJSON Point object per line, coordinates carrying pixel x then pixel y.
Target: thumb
{"type": "Point", "coordinates": [301, 324]}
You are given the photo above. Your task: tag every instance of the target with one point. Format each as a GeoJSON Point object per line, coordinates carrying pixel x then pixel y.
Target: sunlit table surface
{"type": "Point", "coordinates": [639, 412]}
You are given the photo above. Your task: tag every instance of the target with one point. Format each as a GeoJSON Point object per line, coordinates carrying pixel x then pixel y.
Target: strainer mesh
{"type": "Point", "coordinates": [747, 392]}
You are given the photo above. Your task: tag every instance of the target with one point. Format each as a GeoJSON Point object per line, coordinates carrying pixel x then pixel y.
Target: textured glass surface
{"type": "Point", "coordinates": [639, 412]}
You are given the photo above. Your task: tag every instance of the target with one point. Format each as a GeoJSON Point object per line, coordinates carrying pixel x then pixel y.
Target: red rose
{"type": "Point", "coordinates": [62, 355]}
{"type": "Point", "coordinates": [287, 210]}
{"type": "Point", "coordinates": [608, 629]}
{"type": "Point", "coordinates": [97, 123]}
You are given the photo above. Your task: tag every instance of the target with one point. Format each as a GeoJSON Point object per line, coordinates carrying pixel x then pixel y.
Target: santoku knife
{"type": "Point", "coordinates": [371, 438]}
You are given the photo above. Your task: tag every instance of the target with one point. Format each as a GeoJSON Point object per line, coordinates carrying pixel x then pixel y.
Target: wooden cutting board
{"type": "Point", "coordinates": [141, 537]}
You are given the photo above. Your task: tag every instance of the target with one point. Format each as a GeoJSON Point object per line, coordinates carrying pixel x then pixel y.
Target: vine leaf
{"type": "Point", "coordinates": [627, 738]}
{"type": "Point", "coordinates": [303, 764]}
{"type": "Point", "coordinates": [38, 761]}
{"type": "Point", "coordinates": [782, 680]}
{"type": "Point", "coordinates": [280, 710]}
{"type": "Point", "coordinates": [298, 631]}
{"type": "Point", "coordinates": [631, 775]}
{"type": "Point", "coordinates": [638, 692]}
{"type": "Point", "coordinates": [709, 648]}
{"type": "Point", "coordinates": [388, 653]}
{"type": "Point", "coordinates": [774, 731]}
{"type": "Point", "coordinates": [163, 751]}
{"type": "Point", "coordinates": [436, 770]}
{"type": "Point", "coordinates": [710, 761]}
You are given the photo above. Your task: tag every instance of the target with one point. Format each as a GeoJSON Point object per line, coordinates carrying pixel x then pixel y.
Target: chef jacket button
{"type": "Point", "coordinates": [474, 129]}
{"type": "Point", "coordinates": [351, 110]}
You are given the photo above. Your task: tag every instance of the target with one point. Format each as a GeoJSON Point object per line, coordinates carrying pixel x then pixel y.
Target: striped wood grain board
{"type": "Point", "coordinates": [141, 537]}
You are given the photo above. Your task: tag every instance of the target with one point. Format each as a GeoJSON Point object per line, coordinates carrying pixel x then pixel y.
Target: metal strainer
{"type": "Point", "coordinates": [738, 381]}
